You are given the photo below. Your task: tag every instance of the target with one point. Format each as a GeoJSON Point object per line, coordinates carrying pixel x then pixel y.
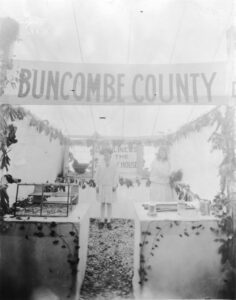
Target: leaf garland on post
{"type": "Point", "coordinates": [7, 132]}
{"type": "Point", "coordinates": [9, 31]}
{"type": "Point", "coordinates": [8, 114]}
{"type": "Point", "coordinates": [223, 139]}
{"type": "Point", "coordinates": [43, 126]}
{"type": "Point", "coordinates": [208, 119]}
{"type": "Point", "coordinates": [12, 113]}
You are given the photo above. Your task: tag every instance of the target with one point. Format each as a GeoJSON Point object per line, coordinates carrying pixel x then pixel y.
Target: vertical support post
{"type": "Point", "coordinates": [68, 200]}
{"type": "Point", "coordinates": [230, 132]}
{"type": "Point", "coordinates": [93, 161]}
{"type": "Point", "coordinates": [17, 191]}
{"type": "Point", "coordinates": [232, 197]}
{"type": "Point", "coordinates": [140, 159]}
{"type": "Point", "coordinates": [66, 160]}
{"type": "Point", "coordinates": [41, 203]}
{"type": "Point", "coordinates": [231, 47]}
{"type": "Point", "coordinates": [231, 50]}
{"type": "Point", "coordinates": [8, 27]}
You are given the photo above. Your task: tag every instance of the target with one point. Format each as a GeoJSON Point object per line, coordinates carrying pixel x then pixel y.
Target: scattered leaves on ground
{"type": "Point", "coordinates": [110, 262]}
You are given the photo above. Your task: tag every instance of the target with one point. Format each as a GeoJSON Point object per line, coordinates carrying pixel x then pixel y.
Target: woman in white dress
{"type": "Point", "coordinates": [160, 190]}
{"type": "Point", "coordinates": [106, 185]}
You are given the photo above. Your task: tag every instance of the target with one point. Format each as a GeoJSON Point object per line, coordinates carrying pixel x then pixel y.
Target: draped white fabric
{"type": "Point", "coordinates": [183, 258]}
{"type": "Point", "coordinates": [122, 31]}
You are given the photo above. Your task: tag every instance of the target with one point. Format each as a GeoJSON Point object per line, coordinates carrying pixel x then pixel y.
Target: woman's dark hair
{"type": "Point", "coordinates": [162, 149]}
{"type": "Point", "coordinates": [106, 150]}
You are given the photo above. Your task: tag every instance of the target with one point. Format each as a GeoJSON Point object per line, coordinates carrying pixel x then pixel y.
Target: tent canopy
{"type": "Point", "coordinates": [121, 31]}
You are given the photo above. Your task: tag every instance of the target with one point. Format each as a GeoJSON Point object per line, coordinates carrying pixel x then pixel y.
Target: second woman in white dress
{"type": "Point", "coordinates": [160, 190]}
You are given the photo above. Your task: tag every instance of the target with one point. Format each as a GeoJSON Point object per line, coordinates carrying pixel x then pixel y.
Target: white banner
{"type": "Point", "coordinates": [126, 158]}
{"type": "Point", "coordinates": [93, 84]}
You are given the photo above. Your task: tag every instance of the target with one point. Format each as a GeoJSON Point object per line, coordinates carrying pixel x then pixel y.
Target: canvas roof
{"type": "Point", "coordinates": [120, 31]}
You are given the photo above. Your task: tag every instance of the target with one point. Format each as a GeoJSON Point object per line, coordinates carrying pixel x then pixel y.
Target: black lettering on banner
{"type": "Point", "coordinates": [120, 85]}
{"type": "Point", "coordinates": [136, 98]}
{"type": "Point", "coordinates": [150, 88]}
{"type": "Point", "coordinates": [42, 82]}
{"type": "Point", "coordinates": [182, 87]}
{"type": "Point", "coordinates": [79, 78]}
{"type": "Point", "coordinates": [93, 86]}
{"type": "Point", "coordinates": [128, 164]}
{"type": "Point", "coordinates": [62, 89]}
{"type": "Point", "coordinates": [53, 85]}
{"type": "Point", "coordinates": [24, 83]}
{"type": "Point", "coordinates": [194, 77]}
{"type": "Point", "coordinates": [208, 84]}
{"type": "Point", "coordinates": [161, 88]}
{"type": "Point", "coordinates": [109, 81]}
{"type": "Point", "coordinates": [109, 87]}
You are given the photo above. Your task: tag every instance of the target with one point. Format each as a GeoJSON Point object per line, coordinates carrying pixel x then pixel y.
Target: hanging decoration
{"type": "Point", "coordinates": [9, 31]}
{"type": "Point", "coordinates": [9, 114]}
{"type": "Point", "coordinates": [223, 139]}
{"type": "Point", "coordinates": [7, 132]}
{"type": "Point", "coordinates": [42, 126]}
{"type": "Point", "coordinates": [208, 119]}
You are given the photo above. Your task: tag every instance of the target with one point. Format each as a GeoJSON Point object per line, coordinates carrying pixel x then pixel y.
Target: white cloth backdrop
{"type": "Point", "coordinates": [199, 164]}
{"type": "Point", "coordinates": [34, 158]}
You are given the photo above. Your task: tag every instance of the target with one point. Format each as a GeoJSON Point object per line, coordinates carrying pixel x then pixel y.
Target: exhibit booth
{"type": "Point", "coordinates": [182, 249]}
{"type": "Point", "coordinates": [90, 76]}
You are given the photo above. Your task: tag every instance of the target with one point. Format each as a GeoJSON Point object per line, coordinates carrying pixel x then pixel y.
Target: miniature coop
{"type": "Point", "coordinates": [45, 200]}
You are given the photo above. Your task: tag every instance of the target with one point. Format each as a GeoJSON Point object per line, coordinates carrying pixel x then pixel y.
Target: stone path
{"type": "Point", "coordinates": [110, 262]}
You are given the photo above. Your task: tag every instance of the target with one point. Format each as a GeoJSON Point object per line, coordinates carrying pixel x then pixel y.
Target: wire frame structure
{"type": "Point", "coordinates": [45, 200]}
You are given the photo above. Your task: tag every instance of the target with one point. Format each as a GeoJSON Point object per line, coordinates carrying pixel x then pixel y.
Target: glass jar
{"type": "Point", "coordinates": [152, 209]}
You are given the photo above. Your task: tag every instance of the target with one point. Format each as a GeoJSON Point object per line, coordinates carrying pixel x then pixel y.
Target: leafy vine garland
{"type": "Point", "coordinates": [50, 230]}
{"type": "Point", "coordinates": [152, 237]}
{"type": "Point", "coordinates": [222, 139]}
{"type": "Point", "coordinates": [151, 241]}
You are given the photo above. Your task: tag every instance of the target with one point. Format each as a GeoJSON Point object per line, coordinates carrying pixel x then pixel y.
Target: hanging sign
{"type": "Point", "coordinates": [127, 157]}
{"type": "Point", "coordinates": [107, 84]}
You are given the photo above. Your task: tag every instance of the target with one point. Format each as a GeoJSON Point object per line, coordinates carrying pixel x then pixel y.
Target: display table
{"type": "Point", "coordinates": [43, 255]}
{"type": "Point", "coordinates": [175, 256]}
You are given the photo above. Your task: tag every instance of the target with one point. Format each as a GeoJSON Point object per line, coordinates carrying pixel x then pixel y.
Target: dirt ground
{"type": "Point", "coordinates": [110, 262]}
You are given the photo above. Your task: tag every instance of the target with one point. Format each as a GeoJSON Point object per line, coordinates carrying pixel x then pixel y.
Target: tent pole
{"type": "Point", "coordinates": [231, 43]}
{"type": "Point", "coordinates": [66, 160]}
{"type": "Point", "coordinates": [93, 153]}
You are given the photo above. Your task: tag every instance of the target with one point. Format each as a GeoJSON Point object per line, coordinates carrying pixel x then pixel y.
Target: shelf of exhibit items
{"type": "Point", "coordinates": [45, 200]}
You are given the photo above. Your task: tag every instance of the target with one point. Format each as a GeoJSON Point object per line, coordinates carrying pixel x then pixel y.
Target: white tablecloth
{"type": "Point", "coordinates": [35, 263]}
{"type": "Point", "coordinates": [175, 256]}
